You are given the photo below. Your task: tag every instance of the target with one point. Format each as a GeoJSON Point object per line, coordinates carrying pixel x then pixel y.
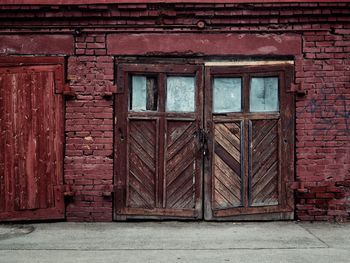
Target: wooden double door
{"type": "Point", "coordinates": [203, 142]}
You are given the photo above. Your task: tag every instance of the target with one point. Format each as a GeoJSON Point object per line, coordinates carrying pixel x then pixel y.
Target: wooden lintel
{"type": "Point", "coordinates": [248, 63]}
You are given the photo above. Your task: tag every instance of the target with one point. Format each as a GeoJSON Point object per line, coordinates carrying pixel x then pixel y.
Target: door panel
{"type": "Point", "coordinates": [227, 165]}
{"type": "Point", "coordinates": [142, 164]}
{"type": "Point", "coordinates": [264, 163]}
{"type": "Point", "coordinates": [182, 164]}
{"type": "Point", "coordinates": [31, 144]}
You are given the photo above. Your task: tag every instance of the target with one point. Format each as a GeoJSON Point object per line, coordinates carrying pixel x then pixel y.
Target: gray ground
{"type": "Point", "coordinates": [175, 242]}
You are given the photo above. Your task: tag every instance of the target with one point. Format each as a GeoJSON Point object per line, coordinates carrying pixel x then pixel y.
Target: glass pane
{"type": "Point", "coordinates": [180, 94]}
{"type": "Point", "coordinates": [227, 95]}
{"type": "Point", "coordinates": [264, 94]}
{"type": "Point", "coordinates": [143, 94]}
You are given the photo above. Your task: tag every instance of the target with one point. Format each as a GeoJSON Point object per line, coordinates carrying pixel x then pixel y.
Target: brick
{"type": "Point", "coordinates": [325, 195]}
{"type": "Point", "coordinates": [95, 45]}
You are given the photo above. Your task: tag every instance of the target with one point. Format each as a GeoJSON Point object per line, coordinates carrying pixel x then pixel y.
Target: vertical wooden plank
{"type": "Point", "coordinates": [208, 126]}
{"type": "Point", "coordinates": [2, 142]}
{"type": "Point", "coordinates": [34, 144]}
{"type": "Point", "coordinates": [120, 160]}
{"type": "Point", "coordinates": [6, 133]}
{"type": "Point", "coordinates": [57, 144]}
{"type": "Point", "coordinates": [200, 158]}
{"type": "Point", "coordinates": [24, 96]}
{"type": "Point", "coordinates": [161, 149]}
{"type": "Point", "coordinates": [11, 145]}
{"type": "Point", "coordinates": [17, 82]}
{"type": "Point", "coordinates": [52, 176]}
{"type": "Point", "coordinates": [42, 176]}
{"type": "Point", "coordinates": [245, 138]}
{"type": "Point", "coordinates": [245, 153]}
{"type": "Point", "coordinates": [287, 143]}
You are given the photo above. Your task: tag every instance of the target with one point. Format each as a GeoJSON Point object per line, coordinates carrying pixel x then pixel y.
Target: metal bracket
{"type": "Point", "coordinates": [67, 191]}
{"type": "Point", "coordinates": [109, 92]}
{"type": "Point", "coordinates": [67, 92]}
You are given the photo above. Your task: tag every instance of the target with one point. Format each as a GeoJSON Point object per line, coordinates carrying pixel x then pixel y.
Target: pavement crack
{"type": "Point", "coordinates": [310, 232]}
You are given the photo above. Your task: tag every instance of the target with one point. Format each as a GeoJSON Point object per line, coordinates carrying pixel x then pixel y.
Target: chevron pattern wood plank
{"type": "Point", "coordinates": [227, 166]}
{"type": "Point", "coordinates": [142, 164]}
{"type": "Point", "coordinates": [264, 163]}
{"type": "Point", "coordinates": [181, 164]}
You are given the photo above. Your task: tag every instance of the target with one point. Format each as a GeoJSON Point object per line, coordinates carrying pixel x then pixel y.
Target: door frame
{"type": "Point", "coordinates": [121, 137]}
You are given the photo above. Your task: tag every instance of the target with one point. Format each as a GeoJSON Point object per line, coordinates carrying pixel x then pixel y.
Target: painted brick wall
{"type": "Point", "coordinates": [89, 131]}
{"type": "Point", "coordinates": [322, 71]}
{"type": "Point", "coordinates": [323, 126]}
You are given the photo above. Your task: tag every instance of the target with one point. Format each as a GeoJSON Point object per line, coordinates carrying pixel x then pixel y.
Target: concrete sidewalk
{"type": "Point", "coordinates": [175, 242]}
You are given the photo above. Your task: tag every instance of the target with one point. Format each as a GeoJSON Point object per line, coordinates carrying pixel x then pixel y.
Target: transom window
{"type": "Point", "coordinates": [262, 92]}
{"type": "Point", "coordinates": [179, 93]}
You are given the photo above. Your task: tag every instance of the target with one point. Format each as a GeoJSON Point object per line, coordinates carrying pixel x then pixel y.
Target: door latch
{"type": "Point", "coordinates": [203, 140]}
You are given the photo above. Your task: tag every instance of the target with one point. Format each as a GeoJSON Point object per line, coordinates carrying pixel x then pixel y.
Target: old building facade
{"type": "Point", "coordinates": [210, 111]}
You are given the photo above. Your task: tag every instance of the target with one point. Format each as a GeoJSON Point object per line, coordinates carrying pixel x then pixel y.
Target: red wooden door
{"type": "Point", "coordinates": [250, 123]}
{"type": "Point", "coordinates": [159, 111]}
{"type": "Point", "coordinates": [31, 142]}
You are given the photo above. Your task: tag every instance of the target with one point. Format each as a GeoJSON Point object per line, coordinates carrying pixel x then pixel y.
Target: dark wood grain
{"type": "Point", "coordinates": [263, 183]}
{"type": "Point", "coordinates": [142, 164]}
{"type": "Point", "coordinates": [31, 142]}
{"type": "Point", "coordinates": [181, 165]}
{"type": "Point", "coordinates": [247, 157]}
{"type": "Point", "coordinates": [227, 183]}
{"type": "Point", "coordinates": [159, 165]}
{"type": "Point", "coordinates": [266, 152]}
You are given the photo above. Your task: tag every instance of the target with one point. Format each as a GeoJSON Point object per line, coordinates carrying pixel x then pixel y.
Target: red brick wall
{"type": "Point", "coordinates": [323, 126]}
{"type": "Point", "coordinates": [322, 70]}
{"type": "Point", "coordinates": [89, 131]}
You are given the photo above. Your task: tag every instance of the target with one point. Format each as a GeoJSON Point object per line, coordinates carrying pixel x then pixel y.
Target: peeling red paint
{"type": "Point", "coordinates": [36, 44]}
{"type": "Point", "coordinates": [209, 44]}
{"type": "Point", "coordinates": [321, 83]}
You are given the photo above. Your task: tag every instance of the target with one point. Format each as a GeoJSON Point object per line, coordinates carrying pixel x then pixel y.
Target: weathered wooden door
{"type": "Point", "coordinates": [158, 133]}
{"type": "Point", "coordinates": [31, 141]}
{"type": "Point", "coordinates": [242, 137]}
{"type": "Point", "coordinates": [250, 125]}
